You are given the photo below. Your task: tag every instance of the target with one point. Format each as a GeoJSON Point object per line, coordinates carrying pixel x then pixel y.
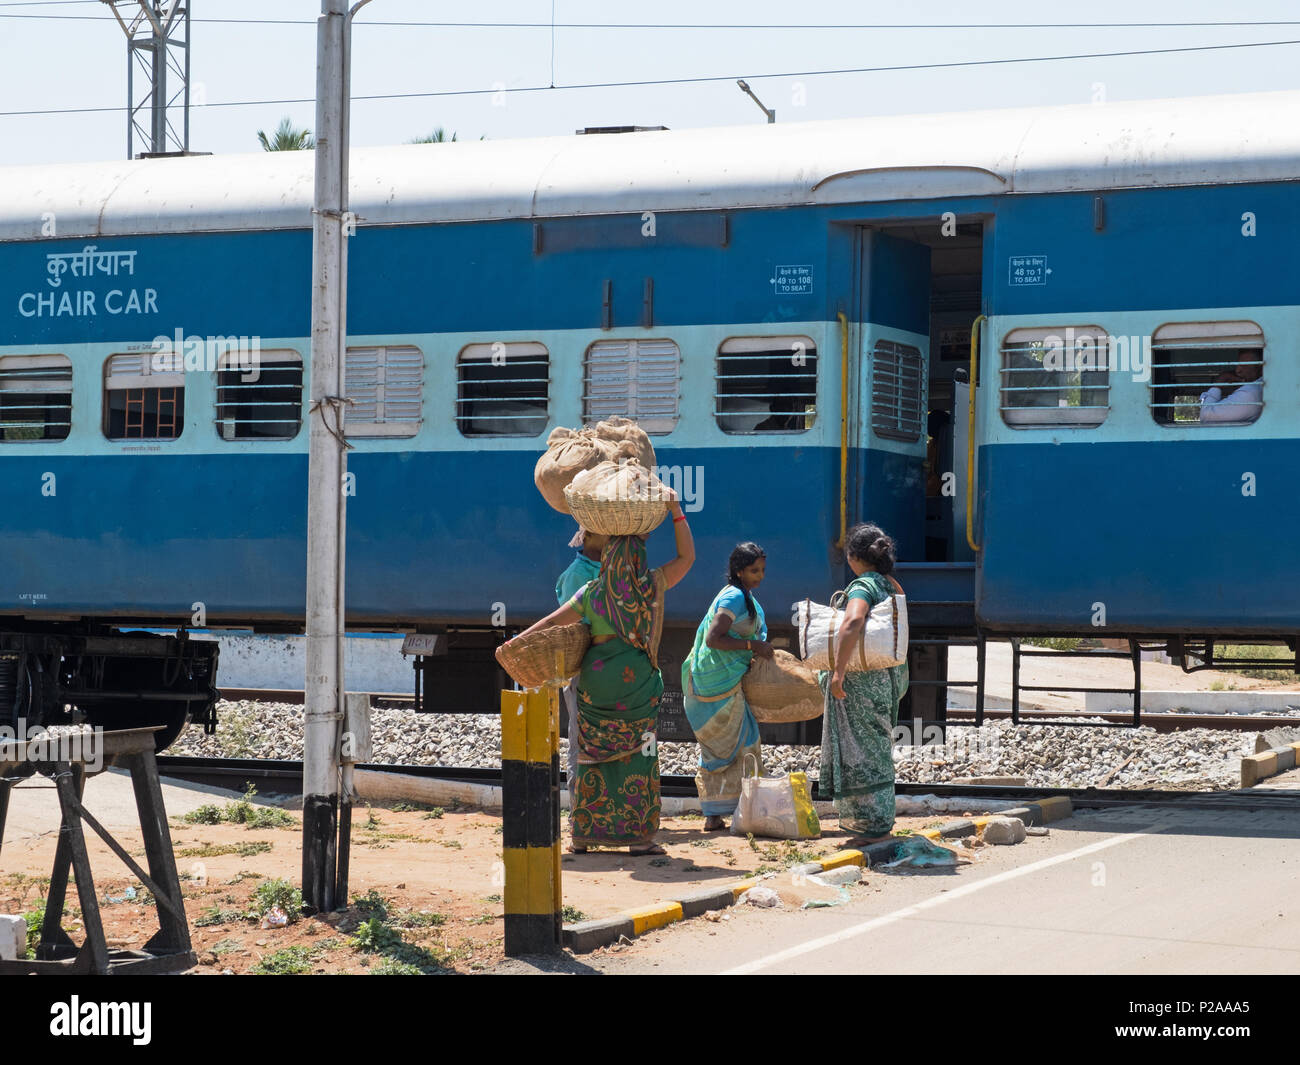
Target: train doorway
{"type": "Point", "coordinates": [920, 289]}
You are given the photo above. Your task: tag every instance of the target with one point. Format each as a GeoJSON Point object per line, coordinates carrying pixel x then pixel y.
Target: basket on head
{"type": "Point", "coordinates": [781, 688]}
{"type": "Point", "coordinates": [617, 499]}
{"type": "Point", "coordinates": [548, 656]}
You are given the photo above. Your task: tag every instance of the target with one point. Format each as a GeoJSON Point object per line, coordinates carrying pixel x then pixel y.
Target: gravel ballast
{"type": "Point", "coordinates": [1044, 755]}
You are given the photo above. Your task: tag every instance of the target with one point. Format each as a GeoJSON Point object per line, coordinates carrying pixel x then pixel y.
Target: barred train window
{"type": "Point", "coordinates": [502, 389]}
{"type": "Point", "coordinates": [141, 403]}
{"type": "Point", "coordinates": [1055, 376]}
{"type": "Point", "coordinates": [897, 391]}
{"type": "Point", "coordinates": [766, 385]}
{"type": "Point", "coordinates": [1192, 359]}
{"type": "Point", "coordinates": [35, 397]}
{"type": "Point", "coordinates": [259, 398]}
{"type": "Point", "coordinates": [635, 378]}
{"type": "Point", "coordinates": [386, 386]}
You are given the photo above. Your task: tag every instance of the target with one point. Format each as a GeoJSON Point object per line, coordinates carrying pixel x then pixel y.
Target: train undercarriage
{"type": "Point", "coordinates": [66, 673]}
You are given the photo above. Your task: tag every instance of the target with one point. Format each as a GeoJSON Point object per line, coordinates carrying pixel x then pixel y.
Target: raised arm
{"type": "Point", "coordinates": [675, 570]}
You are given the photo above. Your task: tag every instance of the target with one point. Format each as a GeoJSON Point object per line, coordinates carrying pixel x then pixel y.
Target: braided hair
{"type": "Point", "coordinates": [743, 556]}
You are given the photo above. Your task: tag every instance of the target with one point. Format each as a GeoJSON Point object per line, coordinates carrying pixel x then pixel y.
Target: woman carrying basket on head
{"type": "Point", "coordinates": [731, 634]}
{"type": "Point", "coordinates": [616, 798]}
{"type": "Point", "coordinates": [857, 764]}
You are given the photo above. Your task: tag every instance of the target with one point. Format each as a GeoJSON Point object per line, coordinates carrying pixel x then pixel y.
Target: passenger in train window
{"type": "Point", "coordinates": [616, 799]}
{"type": "Point", "coordinates": [1238, 393]}
{"type": "Point", "coordinates": [585, 567]}
{"type": "Point", "coordinates": [733, 631]}
{"type": "Point", "coordinates": [857, 764]}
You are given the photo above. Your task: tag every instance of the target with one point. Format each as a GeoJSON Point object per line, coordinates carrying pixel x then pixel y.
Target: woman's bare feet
{"type": "Point", "coordinates": [649, 848]}
{"type": "Point", "coordinates": [714, 823]}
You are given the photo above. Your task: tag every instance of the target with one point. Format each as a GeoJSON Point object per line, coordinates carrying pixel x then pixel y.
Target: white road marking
{"type": "Point", "coordinates": [939, 900]}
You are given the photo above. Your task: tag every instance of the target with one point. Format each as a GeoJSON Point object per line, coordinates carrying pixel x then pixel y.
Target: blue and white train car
{"type": "Point", "coordinates": [786, 309]}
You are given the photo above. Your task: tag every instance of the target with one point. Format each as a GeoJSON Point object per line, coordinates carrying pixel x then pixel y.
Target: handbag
{"type": "Point", "coordinates": [882, 643]}
{"type": "Point", "coordinates": [778, 807]}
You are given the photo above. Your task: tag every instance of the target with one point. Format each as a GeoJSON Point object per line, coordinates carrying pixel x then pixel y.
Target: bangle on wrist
{"type": "Point", "coordinates": [680, 517]}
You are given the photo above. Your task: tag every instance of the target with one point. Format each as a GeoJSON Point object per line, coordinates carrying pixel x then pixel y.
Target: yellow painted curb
{"type": "Point", "coordinates": [840, 858]}
{"type": "Point", "coordinates": [646, 920]}
{"type": "Point", "coordinates": [1055, 808]}
{"type": "Point", "coordinates": [739, 889]}
{"type": "Point", "coordinates": [929, 833]}
{"type": "Point", "coordinates": [980, 822]}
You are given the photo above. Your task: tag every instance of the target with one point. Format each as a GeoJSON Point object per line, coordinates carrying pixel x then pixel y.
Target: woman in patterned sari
{"type": "Point", "coordinates": [616, 798]}
{"type": "Point", "coordinates": [857, 766]}
{"type": "Point", "coordinates": [731, 634]}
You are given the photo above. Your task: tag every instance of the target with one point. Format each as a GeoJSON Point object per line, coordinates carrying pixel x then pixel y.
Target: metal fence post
{"type": "Point", "coordinates": [530, 792]}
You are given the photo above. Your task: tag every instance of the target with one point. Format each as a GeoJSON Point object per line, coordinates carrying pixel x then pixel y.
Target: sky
{"type": "Point", "coordinates": [71, 55]}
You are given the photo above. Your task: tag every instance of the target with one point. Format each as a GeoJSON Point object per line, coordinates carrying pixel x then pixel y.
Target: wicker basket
{"type": "Point", "coordinates": [624, 511]}
{"type": "Point", "coordinates": [782, 689]}
{"type": "Point", "coordinates": [548, 656]}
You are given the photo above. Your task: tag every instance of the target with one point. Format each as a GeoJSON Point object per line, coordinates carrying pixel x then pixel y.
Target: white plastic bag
{"type": "Point", "coordinates": [777, 807]}
{"type": "Point", "coordinates": [883, 641]}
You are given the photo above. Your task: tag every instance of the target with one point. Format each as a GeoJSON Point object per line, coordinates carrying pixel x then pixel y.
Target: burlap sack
{"type": "Point", "coordinates": [568, 453]}
{"type": "Point", "coordinates": [621, 430]}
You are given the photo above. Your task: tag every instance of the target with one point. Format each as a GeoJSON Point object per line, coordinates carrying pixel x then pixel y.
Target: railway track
{"type": "Point", "coordinates": [1160, 722]}
{"type": "Point", "coordinates": [286, 777]}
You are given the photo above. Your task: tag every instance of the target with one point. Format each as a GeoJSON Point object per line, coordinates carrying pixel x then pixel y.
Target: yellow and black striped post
{"type": "Point", "coordinates": [530, 787]}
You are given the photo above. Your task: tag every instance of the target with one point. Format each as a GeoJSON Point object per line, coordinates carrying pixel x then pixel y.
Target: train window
{"type": "Point", "coordinates": [897, 391]}
{"type": "Point", "coordinates": [502, 389]}
{"type": "Point", "coordinates": [766, 385]}
{"type": "Point", "coordinates": [1207, 373]}
{"type": "Point", "coordinates": [35, 397]}
{"type": "Point", "coordinates": [386, 386]}
{"type": "Point", "coordinates": [259, 399]}
{"type": "Point", "coordinates": [140, 401]}
{"type": "Point", "coordinates": [635, 378]}
{"type": "Point", "coordinates": [1055, 377]}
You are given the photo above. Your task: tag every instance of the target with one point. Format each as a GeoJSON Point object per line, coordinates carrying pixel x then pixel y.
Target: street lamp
{"type": "Point", "coordinates": [744, 85]}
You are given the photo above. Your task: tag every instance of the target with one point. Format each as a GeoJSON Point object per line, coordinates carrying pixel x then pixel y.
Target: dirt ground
{"type": "Point", "coordinates": [432, 877]}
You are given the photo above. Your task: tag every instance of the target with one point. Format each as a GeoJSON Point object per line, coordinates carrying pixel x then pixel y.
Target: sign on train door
{"type": "Point", "coordinates": [888, 410]}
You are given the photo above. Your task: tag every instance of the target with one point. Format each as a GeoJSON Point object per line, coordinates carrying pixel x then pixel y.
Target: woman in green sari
{"type": "Point", "coordinates": [857, 765]}
{"type": "Point", "coordinates": [616, 797]}
{"type": "Point", "coordinates": [731, 634]}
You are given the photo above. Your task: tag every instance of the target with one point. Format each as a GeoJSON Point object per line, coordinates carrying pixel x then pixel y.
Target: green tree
{"type": "Point", "coordinates": [286, 138]}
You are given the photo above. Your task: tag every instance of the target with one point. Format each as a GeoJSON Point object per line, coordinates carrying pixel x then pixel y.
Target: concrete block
{"type": "Point", "coordinates": [1276, 737]}
{"type": "Point", "coordinates": [956, 829]}
{"type": "Point", "coordinates": [702, 902]}
{"type": "Point", "coordinates": [1003, 831]}
{"type": "Point", "coordinates": [1021, 813]}
{"type": "Point", "coordinates": [833, 861]}
{"type": "Point", "coordinates": [653, 917]}
{"type": "Point", "coordinates": [13, 938]}
{"type": "Point", "coordinates": [586, 936]}
{"type": "Point", "coordinates": [1056, 808]}
{"type": "Point", "coordinates": [1285, 758]}
{"type": "Point", "coordinates": [845, 874]}
{"type": "Point", "coordinates": [1255, 767]}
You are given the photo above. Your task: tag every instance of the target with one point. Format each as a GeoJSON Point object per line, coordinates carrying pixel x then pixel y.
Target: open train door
{"type": "Point", "coordinates": [887, 425]}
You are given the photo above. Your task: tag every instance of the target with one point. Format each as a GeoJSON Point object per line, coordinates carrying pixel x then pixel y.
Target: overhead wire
{"type": "Point", "coordinates": [703, 79]}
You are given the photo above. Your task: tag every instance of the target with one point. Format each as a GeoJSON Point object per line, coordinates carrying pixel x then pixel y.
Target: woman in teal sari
{"type": "Point", "coordinates": [857, 766]}
{"type": "Point", "coordinates": [616, 797]}
{"type": "Point", "coordinates": [731, 634]}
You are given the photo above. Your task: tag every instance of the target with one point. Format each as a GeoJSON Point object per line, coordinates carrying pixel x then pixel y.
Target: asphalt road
{"type": "Point", "coordinates": [1137, 890]}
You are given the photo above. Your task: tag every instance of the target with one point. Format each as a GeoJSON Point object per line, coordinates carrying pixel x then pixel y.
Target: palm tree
{"type": "Point", "coordinates": [438, 136]}
{"type": "Point", "coordinates": [286, 138]}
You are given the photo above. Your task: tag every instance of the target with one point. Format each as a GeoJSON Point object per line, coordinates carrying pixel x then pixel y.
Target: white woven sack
{"type": "Point", "coordinates": [883, 642]}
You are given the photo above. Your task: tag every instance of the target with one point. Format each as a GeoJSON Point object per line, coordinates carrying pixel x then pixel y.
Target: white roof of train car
{"type": "Point", "coordinates": [1199, 140]}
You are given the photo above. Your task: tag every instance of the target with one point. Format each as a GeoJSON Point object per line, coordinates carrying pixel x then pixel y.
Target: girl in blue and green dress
{"type": "Point", "coordinates": [857, 765]}
{"type": "Point", "coordinates": [733, 631]}
{"type": "Point", "coordinates": [616, 794]}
